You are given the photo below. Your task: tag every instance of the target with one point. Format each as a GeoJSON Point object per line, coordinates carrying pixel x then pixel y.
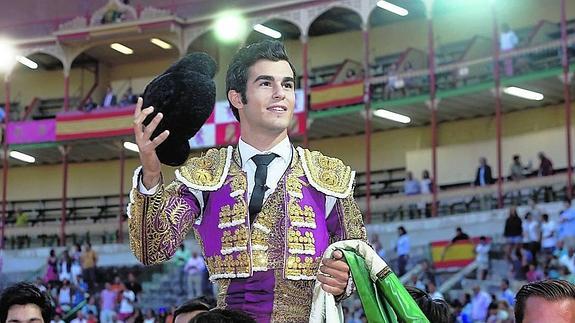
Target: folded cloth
{"type": "Point", "coordinates": [382, 295]}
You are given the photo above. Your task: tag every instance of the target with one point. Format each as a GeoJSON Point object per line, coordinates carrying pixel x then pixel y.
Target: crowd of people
{"type": "Point", "coordinates": [549, 300]}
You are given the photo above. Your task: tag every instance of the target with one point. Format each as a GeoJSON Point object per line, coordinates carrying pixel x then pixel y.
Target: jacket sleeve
{"type": "Point", "coordinates": [345, 221]}
{"type": "Point", "coordinates": [158, 223]}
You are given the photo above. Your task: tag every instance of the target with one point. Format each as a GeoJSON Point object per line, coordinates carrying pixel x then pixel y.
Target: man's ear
{"type": "Point", "coordinates": [236, 99]}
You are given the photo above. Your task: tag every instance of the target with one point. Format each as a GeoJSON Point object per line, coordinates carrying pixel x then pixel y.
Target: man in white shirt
{"type": "Point", "coordinates": [482, 258]}
{"type": "Point", "coordinates": [507, 41]}
{"type": "Point", "coordinates": [195, 267]}
{"type": "Point", "coordinates": [532, 234]}
{"type": "Point", "coordinates": [479, 304]}
{"type": "Point", "coordinates": [264, 211]}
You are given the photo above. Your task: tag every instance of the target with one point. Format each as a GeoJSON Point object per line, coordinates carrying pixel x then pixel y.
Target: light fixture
{"type": "Point", "coordinates": [131, 146]}
{"type": "Point", "coordinates": [385, 114]}
{"type": "Point", "coordinates": [7, 55]}
{"type": "Point", "coordinates": [22, 157]}
{"type": "Point", "coordinates": [267, 31]}
{"type": "Point", "coordinates": [392, 8]}
{"type": "Point", "coordinates": [523, 93]}
{"type": "Point", "coordinates": [122, 49]}
{"type": "Point", "coordinates": [230, 26]}
{"type": "Point", "coordinates": [160, 43]}
{"type": "Point", "coordinates": [27, 62]}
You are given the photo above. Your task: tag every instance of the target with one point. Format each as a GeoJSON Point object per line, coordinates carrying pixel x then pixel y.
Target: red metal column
{"type": "Point", "coordinates": [5, 161]}
{"type": "Point", "coordinates": [497, 81]}
{"type": "Point", "coordinates": [305, 80]}
{"type": "Point", "coordinates": [122, 205]}
{"type": "Point", "coordinates": [64, 150]}
{"type": "Point", "coordinates": [433, 108]}
{"type": "Point", "coordinates": [66, 92]}
{"type": "Point", "coordinates": [367, 105]}
{"type": "Point", "coordinates": [567, 97]}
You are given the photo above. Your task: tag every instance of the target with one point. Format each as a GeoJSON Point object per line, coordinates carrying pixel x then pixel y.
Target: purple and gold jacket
{"type": "Point", "coordinates": [267, 268]}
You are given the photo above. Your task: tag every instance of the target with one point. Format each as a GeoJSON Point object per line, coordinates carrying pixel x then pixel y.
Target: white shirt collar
{"type": "Point", "coordinates": [283, 149]}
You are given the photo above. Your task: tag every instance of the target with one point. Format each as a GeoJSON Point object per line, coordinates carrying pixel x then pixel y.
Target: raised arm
{"type": "Point", "coordinates": [158, 222]}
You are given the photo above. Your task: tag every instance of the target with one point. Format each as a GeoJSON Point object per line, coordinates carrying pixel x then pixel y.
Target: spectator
{"type": "Point", "coordinates": [411, 186]}
{"type": "Point", "coordinates": [57, 319]}
{"type": "Point", "coordinates": [505, 313]}
{"type": "Point", "coordinates": [109, 98]}
{"type": "Point", "coordinates": [458, 313]}
{"type": "Point", "coordinates": [546, 301]}
{"type": "Point", "coordinates": [533, 274]}
{"type": "Point", "coordinates": [150, 316]}
{"type": "Point", "coordinates": [482, 258]}
{"type": "Point", "coordinates": [532, 234]}
{"type": "Point", "coordinates": [433, 292]}
{"type": "Point", "coordinates": [505, 293]}
{"type": "Point", "coordinates": [517, 170]}
{"type": "Point", "coordinates": [127, 302]}
{"type": "Point", "coordinates": [65, 296]}
{"type": "Point", "coordinates": [426, 184]}
{"type": "Point", "coordinates": [107, 304]}
{"type": "Point", "coordinates": [194, 268]}
{"type": "Point", "coordinates": [91, 317]}
{"type": "Point", "coordinates": [137, 317]}
{"type": "Point", "coordinates": [393, 82]}
{"type": "Point", "coordinates": [479, 304]}
{"type": "Point", "coordinates": [459, 236]}
{"type": "Point", "coordinates": [76, 263]}
{"type": "Point", "coordinates": [483, 176]}
{"type": "Point", "coordinates": [128, 98]}
{"type": "Point", "coordinates": [21, 218]}
{"type": "Point", "coordinates": [80, 318]}
{"type": "Point", "coordinates": [507, 41]}
{"type": "Point", "coordinates": [513, 232]}
{"type": "Point", "coordinates": [415, 282]}
{"type": "Point", "coordinates": [65, 266]}
{"type": "Point", "coordinates": [187, 311]}
{"type": "Point", "coordinates": [51, 267]}
{"type": "Point", "coordinates": [90, 307]}
{"type": "Point", "coordinates": [90, 104]}
{"type": "Point", "coordinates": [545, 165]}
{"type": "Point", "coordinates": [402, 249]}
{"type": "Point", "coordinates": [492, 313]}
{"type": "Point", "coordinates": [568, 260]}
{"type": "Point", "coordinates": [89, 261]}
{"type": "Point", "coordinates": [180, 259]}
{"type": "Point", "coordinates": [426, 187]}
{"type": "Point", "coordinates": [567, 223]}
{"type": "Point", "coordinates": [133, 285]}
{"type": "Point", "coordinates": [24, 302]}
{"type": "Point", "coordinates": [427, 271]}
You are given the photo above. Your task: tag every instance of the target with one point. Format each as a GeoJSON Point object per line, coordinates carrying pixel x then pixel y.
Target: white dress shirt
{"type": "Point", "coordinates": [276, 170]}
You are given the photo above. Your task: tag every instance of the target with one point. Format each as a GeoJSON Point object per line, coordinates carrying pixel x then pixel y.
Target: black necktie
{"type": "Point", "coordinates": [257, 199]}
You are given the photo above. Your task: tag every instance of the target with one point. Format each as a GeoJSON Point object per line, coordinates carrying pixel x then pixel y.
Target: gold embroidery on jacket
{"type": "Point", "coordinates": [207, 170]}
{"type": "Point", "coordinates": [234, 240]}
{"type": "Point", "coordinates": [298, 268]}
{"type": "Point", "coordinates": [327, 174]}
{"type": "Point", "coordinates": [301, 243]}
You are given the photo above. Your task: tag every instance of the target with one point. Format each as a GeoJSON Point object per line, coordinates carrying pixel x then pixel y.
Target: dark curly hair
{"type": "Point", "coordinates": [24, 293]}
